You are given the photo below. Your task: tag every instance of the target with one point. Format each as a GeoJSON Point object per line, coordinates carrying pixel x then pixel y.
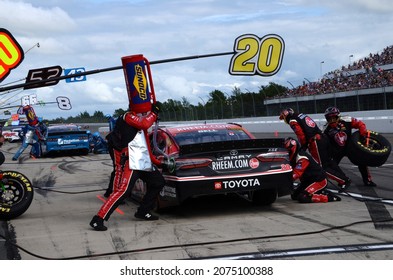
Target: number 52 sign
{"type": "Point", "coordinates": [257, 56]}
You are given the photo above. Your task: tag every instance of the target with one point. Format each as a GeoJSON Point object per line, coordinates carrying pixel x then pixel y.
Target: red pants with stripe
{"type": "Point", "coordinates": [124, 181]}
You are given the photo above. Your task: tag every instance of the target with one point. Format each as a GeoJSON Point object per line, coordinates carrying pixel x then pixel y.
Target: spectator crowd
{"type": "Point", "coordinates": [349, 78]}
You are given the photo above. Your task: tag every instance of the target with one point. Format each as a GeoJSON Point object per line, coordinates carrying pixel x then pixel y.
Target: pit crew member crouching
{"type": "Point", "coordinates": [313, 181]}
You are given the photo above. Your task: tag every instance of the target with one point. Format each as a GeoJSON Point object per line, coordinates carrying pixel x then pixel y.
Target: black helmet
{"type": "Point", "coordinates": [293, 146]}
{"type": "Point", "coordinates": [286, 113]}
{"type": "Point", "coordinates": [332, 112]}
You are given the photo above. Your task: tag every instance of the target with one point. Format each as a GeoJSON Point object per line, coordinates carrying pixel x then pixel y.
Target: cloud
{"type": "Point", "coordinates": [95, 34]}
{"type": "Point", "coordinates": [25, 18]}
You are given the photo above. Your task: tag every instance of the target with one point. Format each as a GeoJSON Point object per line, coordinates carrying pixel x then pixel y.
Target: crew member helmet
{"type": "Point", "coordinates": [286, 113]}
{"type": "Point", "coordinates": [332, 114]}
{"type": "Point", "coordinates": [292, 146]}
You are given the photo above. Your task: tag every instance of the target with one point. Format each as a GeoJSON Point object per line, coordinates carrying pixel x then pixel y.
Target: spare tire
{"type": "Point", "coordinates": [16, 195]}
{"type": "Point", "coordinates": [373, 150]}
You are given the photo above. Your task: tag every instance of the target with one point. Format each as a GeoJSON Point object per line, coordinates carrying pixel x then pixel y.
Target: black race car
{"type": "Point", "coordinates": [211, 159]}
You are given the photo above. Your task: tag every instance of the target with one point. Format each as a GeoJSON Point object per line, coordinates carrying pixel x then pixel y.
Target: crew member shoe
{"type": "Point", "coordinates": [369, 184]}
{"type": "Point", "coordinates": [332, 197]}
{"type": "Point", "coordinates": [345, 186]}
{"type": "Point", "coordinates": [97, 223]}
{"type": "Point", "coordinates": [147, 216]}
{"type": "Point", "coordinates": [107, 193]}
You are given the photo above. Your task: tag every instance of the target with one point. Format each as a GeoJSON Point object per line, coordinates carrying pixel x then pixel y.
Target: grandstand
{"type": "Point", "coordinates": [365, 85]}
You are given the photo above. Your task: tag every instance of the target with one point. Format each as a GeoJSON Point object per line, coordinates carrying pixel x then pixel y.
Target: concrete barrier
{"type": "Point", "coordinates": [380, 121]}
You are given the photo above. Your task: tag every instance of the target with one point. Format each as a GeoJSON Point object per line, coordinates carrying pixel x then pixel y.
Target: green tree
{"type": "Point", "coordinates": [118, 112]}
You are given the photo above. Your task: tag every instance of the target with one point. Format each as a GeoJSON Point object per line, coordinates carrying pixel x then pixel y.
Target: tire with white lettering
{"type": "Point", "coordinates": [16, 194]}
{"type": "Point", "coordinates": [264, 197]}
{"type": "Point", "coordinates": [371, 151]}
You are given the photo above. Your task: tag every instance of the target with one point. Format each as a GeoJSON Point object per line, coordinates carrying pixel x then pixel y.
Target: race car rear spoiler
{"type": "Point", "coordinates": [264, 145]}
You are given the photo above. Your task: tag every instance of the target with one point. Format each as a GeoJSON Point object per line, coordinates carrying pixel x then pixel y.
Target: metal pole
{"type": "Point", "coordinates": [36, 45]}
{"type": "Point", "coordinates": [222, 110]}
{"type": "Point", "coordinates": [86, 73]}
{"type": "Point", "coordinates": [204, 106]}
{"type": "Point", "coordinates": [231, 103]}
{"type": "Point", "coordinates": [241, 101]}
{"type": "Point", "coordinates": [253, 102]}
{"type": "Point", "coordinates": [350, 59]}
{"type": "Point", "coordinates": [322, 62]}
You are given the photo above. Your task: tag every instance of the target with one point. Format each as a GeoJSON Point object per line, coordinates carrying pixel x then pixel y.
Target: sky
{"type": "Point", "coordinates": [96, 34]}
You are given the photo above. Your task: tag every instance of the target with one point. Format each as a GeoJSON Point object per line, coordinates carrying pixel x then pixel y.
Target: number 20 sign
{"type": "Point", "coordinates": [11, 53]}
{"type": "Point", "coordinates": [257, 56]}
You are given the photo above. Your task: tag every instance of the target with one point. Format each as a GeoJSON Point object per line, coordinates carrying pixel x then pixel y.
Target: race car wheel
{"type": "Point", "coordinates": [16, 195]}
{"type": "Point", "coordinates": [373, 150]}
{"type": "Point", "coordinates": [264, 197]}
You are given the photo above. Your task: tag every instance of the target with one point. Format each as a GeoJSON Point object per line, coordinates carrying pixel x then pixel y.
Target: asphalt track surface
{"type": "Point", "coordinates": [69, 191]}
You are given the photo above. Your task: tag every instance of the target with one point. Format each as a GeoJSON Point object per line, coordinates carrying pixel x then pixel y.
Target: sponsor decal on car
{"type": "Point", "coordinates": [168, 191]}
{"type": "Point", "coordinates": [235, 162]}
{"type": "Point", "coordinates": [286, 167]}
{"type": "Point", "coordinates": [68, 141]}
{"type": "Point", "coordinates": [237, 184]}
{"type": "Point", "coordinates": [254, 163]}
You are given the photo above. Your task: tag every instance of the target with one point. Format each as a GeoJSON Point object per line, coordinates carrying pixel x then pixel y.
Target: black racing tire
{"type": "Point", "coordinates": [16, 195]}
{"type": "Point", "coordinates": [372, 152]}
{"type": "Point", "coordinates": [264, 197]}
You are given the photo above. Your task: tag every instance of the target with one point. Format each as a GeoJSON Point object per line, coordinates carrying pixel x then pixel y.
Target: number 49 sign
{"type": "Point", "coordinates": [257, 56]}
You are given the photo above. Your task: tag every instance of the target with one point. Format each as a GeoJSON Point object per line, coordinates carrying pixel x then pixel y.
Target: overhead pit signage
{"type": "Point", "coordinates": [257, 56]}
{"type": "Point", "coordinates": [11, 53]}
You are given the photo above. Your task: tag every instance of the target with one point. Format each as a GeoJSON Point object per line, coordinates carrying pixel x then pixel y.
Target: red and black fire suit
{"type": "Point", "coordinates": [312, 180]}
{"type": "Point", "coordinates": [125, 177]}
{"type": "Point", "coordinates": [339, 133]}
{"type": "Point", "coordinates": [312, 138]}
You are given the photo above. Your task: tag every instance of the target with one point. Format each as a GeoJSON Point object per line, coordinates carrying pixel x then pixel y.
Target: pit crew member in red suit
{"type": "Point", "coordinates": [311, 137]}
{"type": "Point", "coordinates": [124, 132]}
{"type": "Point", "coordinates": [339, 130]}
{"type": "Point", "coordinates": [312, 177]}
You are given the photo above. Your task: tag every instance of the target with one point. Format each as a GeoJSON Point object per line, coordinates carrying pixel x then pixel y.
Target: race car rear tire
{"type": "Point", "coordinates": [374, 153]}
{"type": "Point", "coordinates": [264, 197]}
{"type": "Point", "coordinates": [16, 195]}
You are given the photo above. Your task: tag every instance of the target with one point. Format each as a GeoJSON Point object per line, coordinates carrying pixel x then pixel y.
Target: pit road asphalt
{"type": "Point", "coordinates": [69, 191]}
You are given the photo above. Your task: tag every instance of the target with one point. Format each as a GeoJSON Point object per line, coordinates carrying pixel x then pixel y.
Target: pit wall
{"type": "Point", "coordinates": [380, 121]}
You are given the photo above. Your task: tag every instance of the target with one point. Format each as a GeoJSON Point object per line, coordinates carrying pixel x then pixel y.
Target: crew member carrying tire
{"type": "Point", "coordinates": [313, 182]}
{"type": "Point", "coordinates": [339, 130]}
